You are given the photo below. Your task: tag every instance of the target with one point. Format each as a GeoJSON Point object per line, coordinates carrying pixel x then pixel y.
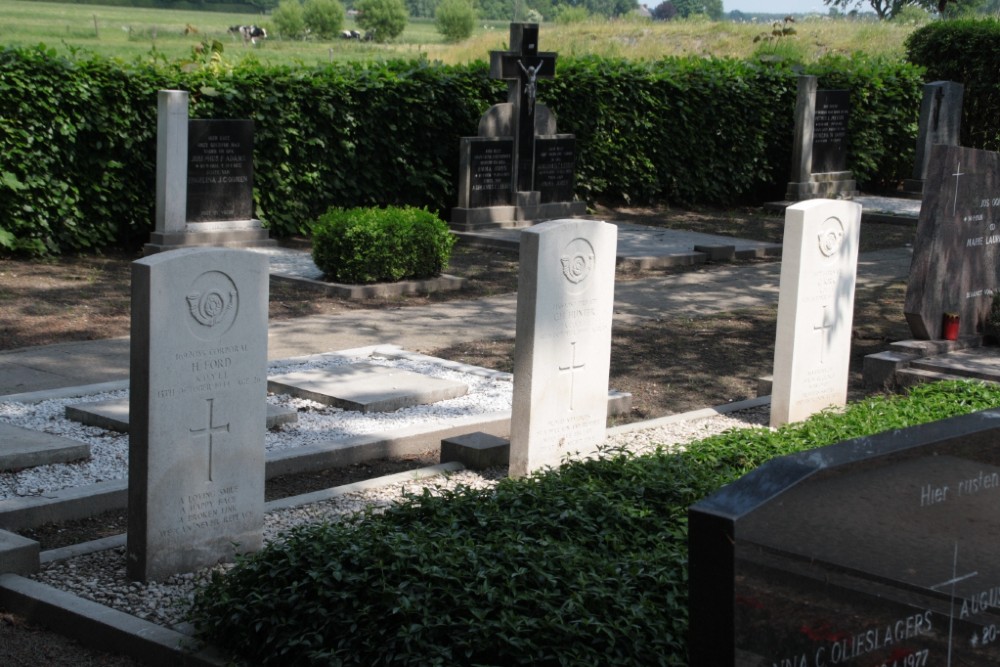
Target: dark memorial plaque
{"type": "Point", "coordinates": [220, 170]}
{"type": "Point", "coordinates": [874, 552]}
{"type": "Point", "coordinates": [555, 160]}
{"type": "Point", "coordinates": [833, 109]}
{"type": "Point", "coordinates": [956, 261]}
{"type": "Point", "coordinates": [491, 172]}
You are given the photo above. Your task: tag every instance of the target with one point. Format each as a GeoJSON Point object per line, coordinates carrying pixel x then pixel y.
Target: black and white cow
{"type": "Point", "coordinates": [249, 33]}
{"type": "Point", "coordinates": [350, 34]}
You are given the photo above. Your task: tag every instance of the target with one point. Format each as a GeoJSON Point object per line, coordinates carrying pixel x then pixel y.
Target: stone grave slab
{"type": "Point", "coordinates": [812, 349]}
{"type": "Point", "coordinates": [113, 414]}
{"type": "Point", "coordinates": [562, 350]}
{"type": "Point", "coordinates": [366, 387]}
{"type": "Point", "coordinates": [956, 253]}
{"type": "Point", "coordinates": [874, 551]}
{"type": "Point", "coordinates": [27, 448]}
{"type": "Point", "coordinates": [198, 389]}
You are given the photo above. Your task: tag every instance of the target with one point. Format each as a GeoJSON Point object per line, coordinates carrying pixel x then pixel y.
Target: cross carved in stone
{"type": "Point", "coordinates": [824, 328]}
{"type": "Point", "coordinates": [521, 67]}
{"type": "Point", "coordinates": [572, 368]}
{"type": "Point", "coordinates": [210, 430]}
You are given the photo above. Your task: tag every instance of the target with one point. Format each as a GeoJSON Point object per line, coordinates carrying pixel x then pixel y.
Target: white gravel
{"type": "Point", "coordinates": [489, 393]}
{"type": "Point", "coordinates": [100, 576]}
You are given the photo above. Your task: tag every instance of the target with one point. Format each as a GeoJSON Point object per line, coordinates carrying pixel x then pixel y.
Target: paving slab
{"type": "Point", "coordinates": [113, 414]}
{"type": "Point", "coordinates": [26, 448]}
{"type": "Point", "coordinates": [982, 363]}
{"type": "Point", "coordinates": [366, 387]}
{"type": "Point", "coordinates": [646, 247]}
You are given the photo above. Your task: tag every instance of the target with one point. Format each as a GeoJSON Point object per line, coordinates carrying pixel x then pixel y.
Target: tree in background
{"type": "Point", "coordinates": [384, 19]}
{"type": "Point", "coordinates": [710, 8]}
{"type": "Point", "coordinates": [665, 11]}
{"type": "Point", "coordinates": [289, 19]}
{"type": "Point", "coordinates": [887, 9]}
{"type": "Point", "coordinates": [455, 19]}
{"type": "Point", "coordinates": [324, 18]}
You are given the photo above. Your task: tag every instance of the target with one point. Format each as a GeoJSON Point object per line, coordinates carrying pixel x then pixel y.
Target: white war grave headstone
{"type": "Point", "coordinates": [956, 253]}
{"type": "Point", "coordinates": [196, 409]}
{"type": "Point", "coordinates": [204, 180]}
{"type": "Point", "coordinates": [812, 349]}
{"type": "Point", "coordinates": [562, 349]}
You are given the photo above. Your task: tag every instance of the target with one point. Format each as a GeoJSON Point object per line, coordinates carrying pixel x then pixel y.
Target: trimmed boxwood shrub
{"type": "Point", "coordinates": [370, 245]}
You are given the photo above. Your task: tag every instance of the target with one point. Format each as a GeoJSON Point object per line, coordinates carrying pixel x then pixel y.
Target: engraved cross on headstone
{"type": "Point", "coordinates": [209, 431]}
{"type": "Point", "coordinates": [824, 329]}
{"type": "Point", "coordinates": [521, 67]}
{"type": "Point", "coordinates": [572, 369]}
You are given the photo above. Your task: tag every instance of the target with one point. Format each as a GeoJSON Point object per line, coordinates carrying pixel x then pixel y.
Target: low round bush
{"type": "Point", "coordinates": [370, 245]}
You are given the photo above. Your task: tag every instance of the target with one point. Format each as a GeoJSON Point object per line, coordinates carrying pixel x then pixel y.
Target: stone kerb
{"type": "Point", "coordinates": [812, 347]}
{"type": "Point", "coordinates": [563, 342]}
{"type": "Point", "coordinates": [197, 409]}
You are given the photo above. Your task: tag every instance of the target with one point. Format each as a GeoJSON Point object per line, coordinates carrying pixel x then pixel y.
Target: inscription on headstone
{"type": "Point", "coordinates": [812, 349]}
{"type": "Point", "coordinates": [490, 172]}
{"type": "Point", "coordinates": [196, 409]}
{"type": "Point", "coordinates": [876, 551]}
{"type": "Point", "coordinates": [555, 162]}
{"type": "Point", "coordinates": [562, 353]}
{"type": "Point", "coordinates": [956, 254]}
{"type": "Point", "coordinates": [833, 108]}
{"type": "Point", "coordinates": [220, 170]}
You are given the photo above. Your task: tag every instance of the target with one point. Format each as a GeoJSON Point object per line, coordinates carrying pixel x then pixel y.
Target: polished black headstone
{"type": "Point", "coordinates": [875, 551]}
{"type": "Point", "coordinates": [490, 172]}
{"type": "Point", "coordinates": [220, 170]}
{"type": "Point", "coordinates": [555, 161]}
{"type": "Point", "coordinates": [956, 253]}
{"type": "Point", "coordinates": [833, 109]}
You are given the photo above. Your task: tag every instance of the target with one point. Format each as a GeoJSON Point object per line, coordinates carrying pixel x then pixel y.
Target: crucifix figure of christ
{"type": "Point", "coordinates": [209, 431]}
{"type": "Point", "coordinates": [521, 67]}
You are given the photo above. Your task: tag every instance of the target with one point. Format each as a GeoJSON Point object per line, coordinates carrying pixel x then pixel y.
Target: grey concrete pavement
{"type": "Point", "coordinates": [706, 290]}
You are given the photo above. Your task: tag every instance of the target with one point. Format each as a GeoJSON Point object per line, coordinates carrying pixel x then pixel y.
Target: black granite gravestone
{"type": "Point", "coordinates": [879, 551]}
{"type": "Point", "coordinates": [220, 170]}
{"type": "Point", "coordinates": [833, 108]}
{"type": "Point", "coordinates": [490, 172]}
{"type": "Point", "coordinates": [555, 162]}
{"type": "Point", "coordinates": [956, 254]}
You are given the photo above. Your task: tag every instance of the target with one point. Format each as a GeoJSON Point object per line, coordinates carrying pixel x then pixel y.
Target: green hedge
{"type": "Point", "coordinates": [966, 51]}
{"type": "Point", "coordinates": [586, 565]}
{"type": "Point", "coordinates": [77, 135]}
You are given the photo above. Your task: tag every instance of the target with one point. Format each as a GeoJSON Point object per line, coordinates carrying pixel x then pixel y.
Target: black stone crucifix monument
{"type": "Point", "coordinates": [522, 67]}
{"type": "Point", "coordinates": [517, 170]}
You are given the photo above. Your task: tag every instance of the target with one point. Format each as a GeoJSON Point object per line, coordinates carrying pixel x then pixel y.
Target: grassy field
{"type": "Point", "coordinates": [135, 33]}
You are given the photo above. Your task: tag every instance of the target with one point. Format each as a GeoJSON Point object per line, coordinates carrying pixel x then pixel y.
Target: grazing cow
{"type": "Point", "coordinates": [249, 33]}
{"type": "Point", "coordinates": [350, 34]}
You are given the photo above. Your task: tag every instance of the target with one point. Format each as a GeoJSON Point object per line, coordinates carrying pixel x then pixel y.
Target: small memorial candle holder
{"type": "Point", "coordinates": [950, 326]}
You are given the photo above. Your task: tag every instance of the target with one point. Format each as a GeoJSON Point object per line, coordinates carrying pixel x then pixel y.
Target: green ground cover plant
{"type": "Point", "coordinates": [586, 565]}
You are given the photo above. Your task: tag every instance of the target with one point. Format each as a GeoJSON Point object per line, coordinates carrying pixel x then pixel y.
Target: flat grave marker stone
{"type": "Point", "coordinates": [196, 409]}
{"type": "Point", "coordinates": [812, 349]}
{"type": "Point", "coordinates": [562, 350]}
{"type": "Point", "coordinates": [956, 253]}
{"type": "Point", "coordinates": [366, 387]}
{"type": "Point", "coordinates": [874, 551]}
